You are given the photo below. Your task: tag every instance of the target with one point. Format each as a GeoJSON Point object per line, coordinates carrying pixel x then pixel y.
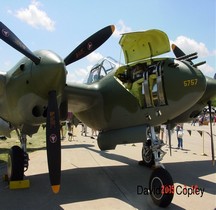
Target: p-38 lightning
{"type": "Point", "coordinates": [125, 103]}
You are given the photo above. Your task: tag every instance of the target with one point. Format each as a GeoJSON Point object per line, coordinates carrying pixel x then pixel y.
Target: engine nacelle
{"type": "Point", "coordinates": [5, 128]}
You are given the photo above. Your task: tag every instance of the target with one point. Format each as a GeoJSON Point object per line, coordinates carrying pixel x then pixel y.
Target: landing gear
{"type": "Point", "coordinates": [147, 154]}
{"type": "Point", "coordinates": [17, 161]}
{"type": "Point", "coordinates": [152, 153]}
{"type": "Point", "coordinates": [160, 184]}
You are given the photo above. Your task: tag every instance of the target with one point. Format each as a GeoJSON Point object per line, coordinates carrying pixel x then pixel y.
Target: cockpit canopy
{"type": "Point", "coordinates": [101, 69]}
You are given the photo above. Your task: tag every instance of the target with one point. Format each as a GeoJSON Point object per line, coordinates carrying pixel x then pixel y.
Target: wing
{"type": "Point", "coordinates": [81, 96]}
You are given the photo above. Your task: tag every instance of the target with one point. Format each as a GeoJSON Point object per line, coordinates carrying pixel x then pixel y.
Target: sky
{"type": "Point", "coordinates": [62, 26]}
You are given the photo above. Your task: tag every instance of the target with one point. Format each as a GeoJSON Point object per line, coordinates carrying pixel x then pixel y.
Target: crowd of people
{"type": "Point", "coordinates": [203, 120]}
{"type": "Point", "coordinates": [67, 131]}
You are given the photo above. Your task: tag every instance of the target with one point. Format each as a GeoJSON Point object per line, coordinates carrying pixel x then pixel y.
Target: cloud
{"type": "Point", "coordinates": [190, 45]}
{"type": "Point", "coordinates": [94, 57]}
{"type": "Point", "coordinates": [78, 75]}
{"type": "Point", "coordinates": [206, 69]}
{"type": "Point", "coordinates": [35, 17]}
{"type": "Point", "coordinates": [121, 28]}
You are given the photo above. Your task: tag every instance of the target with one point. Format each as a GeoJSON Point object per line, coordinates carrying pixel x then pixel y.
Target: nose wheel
{"type": "Point", "coordinates": [161, 187]}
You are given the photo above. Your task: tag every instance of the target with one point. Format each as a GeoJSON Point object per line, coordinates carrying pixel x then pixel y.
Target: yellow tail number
{"type": "Point", "coordinates": [190, 82]}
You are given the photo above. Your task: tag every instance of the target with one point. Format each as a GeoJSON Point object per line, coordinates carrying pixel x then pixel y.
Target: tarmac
{"type": "Point", "coordinates": [92, 179]}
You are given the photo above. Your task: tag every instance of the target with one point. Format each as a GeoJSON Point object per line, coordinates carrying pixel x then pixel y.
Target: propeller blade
{"type": "Point", "coordinates": [90, 44]}
{"type": "Point", "coordinates": [211, 132]}
{"type": "Point", "coordinates": [177, 51]}
{"type": "Point", "coordinates": [53, 142]}
{"type": "Point", "coordinates": [10, 38]}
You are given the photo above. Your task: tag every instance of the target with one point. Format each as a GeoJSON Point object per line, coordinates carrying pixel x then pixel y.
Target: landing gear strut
{"type": "Point", "coordinates": [152, 153]}
{"type": "Point", "coordinates": [17, 160]}
{"type": "Point", "coordinates": [147, 154]}
{"type": "Point", "coordinates": [160, 179]}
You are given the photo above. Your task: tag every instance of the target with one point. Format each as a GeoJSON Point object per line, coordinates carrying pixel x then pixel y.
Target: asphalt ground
{"type": "Point", "coordinates": [92, 179]}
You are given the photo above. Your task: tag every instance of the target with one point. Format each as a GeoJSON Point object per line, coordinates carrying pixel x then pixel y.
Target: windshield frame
{"type": "Point", "coordinates": [101, 70]}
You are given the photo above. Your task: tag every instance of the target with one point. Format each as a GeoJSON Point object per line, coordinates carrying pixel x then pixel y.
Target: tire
{"type": "Point", "coordinates": [148, 160]}
{"type": "Point", "coordinates": [161, 187]}
{"type": "Point", "coordinates": [15, 167]}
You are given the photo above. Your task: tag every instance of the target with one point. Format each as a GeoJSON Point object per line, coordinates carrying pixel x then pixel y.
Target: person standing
{"type": "Point", "coordinates": [84, 129]}
{"type": "Point", "coordinates": [70, 131]}
{"type": "Point", "coordinates": [94, 133]}
{"type": "Point", "coordinates": [180, 137]}
{"type": "Point", "coordinates": [162, 132]}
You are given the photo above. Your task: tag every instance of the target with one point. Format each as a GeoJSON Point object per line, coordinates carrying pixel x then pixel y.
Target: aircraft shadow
{"type": "Point", "coordinates": [82, 185]}
{"type": "Point", "coordinates": [190, 169]}
{"type": "Point", "coordinates": [101, 182]}
{"type": "Point", "coordinates": [188, 173]}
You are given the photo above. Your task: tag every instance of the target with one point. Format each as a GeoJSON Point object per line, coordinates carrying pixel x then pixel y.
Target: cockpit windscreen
{"type": "Point", "coordinates": [101, 69]}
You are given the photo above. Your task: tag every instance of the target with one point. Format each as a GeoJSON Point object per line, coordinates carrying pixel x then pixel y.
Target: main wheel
{"type": "Point", "coordinates": [15, 167]}
{"type": "Point", "coordinates": [147, 154]}
{"type": "Point", "coordinates": [161, 187]}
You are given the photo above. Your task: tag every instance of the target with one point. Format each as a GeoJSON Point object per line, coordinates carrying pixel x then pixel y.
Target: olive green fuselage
{"type": "Point", "coordinates": [118, 107]}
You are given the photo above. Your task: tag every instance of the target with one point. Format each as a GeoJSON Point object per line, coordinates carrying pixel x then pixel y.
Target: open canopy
{"type": "Point", "coordinates": [145, 44]}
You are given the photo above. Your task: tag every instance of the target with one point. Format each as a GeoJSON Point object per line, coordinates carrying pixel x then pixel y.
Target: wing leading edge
{"type": "Point", "coordinates": [81, 96]}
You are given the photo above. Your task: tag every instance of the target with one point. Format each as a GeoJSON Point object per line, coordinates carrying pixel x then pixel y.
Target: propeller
{"type": "Point", "coordinates": [211, 132]}
{"type": "Point", "coordinates": [180, 55]}
{"type": "Point", "coordinates": [10, 38]}
{"type": "Point", "coordinates": [53, 142]}
{"type": "Point", "coordinates": [90, 44]}
{"type": "Point", "coordinates": [53, 120]}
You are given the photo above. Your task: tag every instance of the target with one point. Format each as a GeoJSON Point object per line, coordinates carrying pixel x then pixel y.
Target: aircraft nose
{"type": "Point", "coordinates": [49, 75]}
{"type": "Point", "coordinates": [189, 82]}
{"type": "Point", "coordinates": [184, 86]}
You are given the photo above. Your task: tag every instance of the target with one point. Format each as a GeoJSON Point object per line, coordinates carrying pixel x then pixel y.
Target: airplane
{"type": "Point", "coordinates": [126, 103]}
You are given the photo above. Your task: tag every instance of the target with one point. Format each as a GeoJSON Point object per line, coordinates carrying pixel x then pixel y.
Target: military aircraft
{"type": "Point", "coordinates": [125, 103]}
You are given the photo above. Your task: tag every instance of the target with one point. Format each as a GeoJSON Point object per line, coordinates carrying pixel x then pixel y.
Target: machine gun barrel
{"type": "Point", "coordinates": [199, 64]}
{"type": "Point", "coordinates": [192, 58]}
{"type": "Point", "coordinates": [187, 57]}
